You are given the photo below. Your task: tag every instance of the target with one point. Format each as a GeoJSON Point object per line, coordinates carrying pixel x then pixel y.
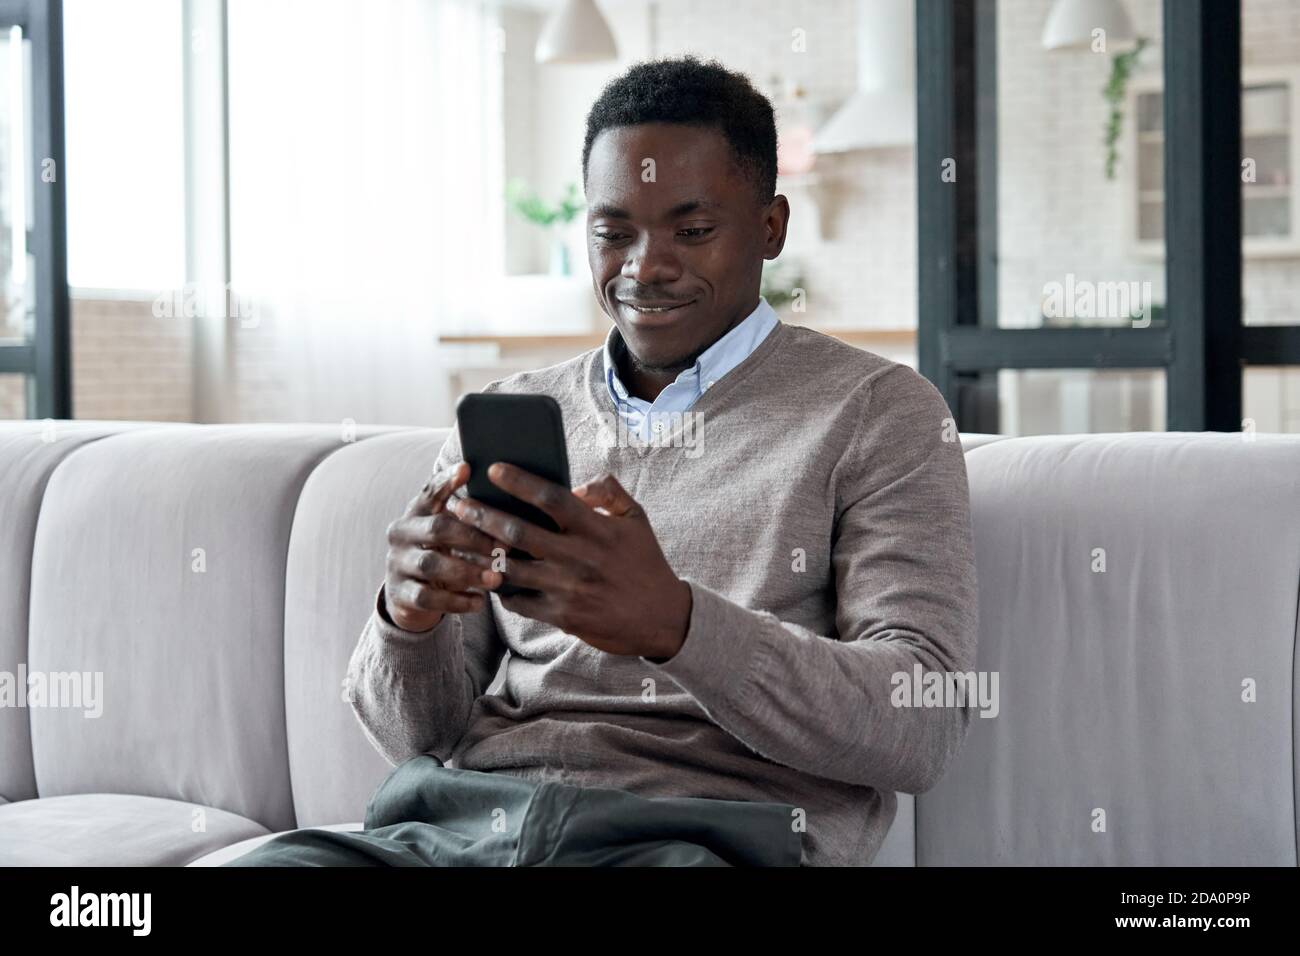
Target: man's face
{"type": "Point", "coordinates": [676, 247]}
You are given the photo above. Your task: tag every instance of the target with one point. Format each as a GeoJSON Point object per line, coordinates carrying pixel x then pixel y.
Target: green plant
{"type": "Point", "coordinates": [528, 204]}
{"type": "Point", "coordinates": [1121, 68]}
{"type": "Point", "coordinates": [778, 282]}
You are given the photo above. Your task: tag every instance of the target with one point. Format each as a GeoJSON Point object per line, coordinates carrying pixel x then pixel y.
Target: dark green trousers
{"type": "Point", "coordinates": [425, 814]}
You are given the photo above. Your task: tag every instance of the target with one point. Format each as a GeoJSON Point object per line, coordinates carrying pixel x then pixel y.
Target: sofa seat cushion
{"type": "Point", "coordinates": [236, 850]}
{"type": "Point", "coordinates": [115, 829]}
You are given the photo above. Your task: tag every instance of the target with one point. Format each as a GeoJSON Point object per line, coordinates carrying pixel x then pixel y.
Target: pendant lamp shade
{"type": "Point", "coordinates": [576, 33]}
{"type": "Point", "coordinates": [1071, 23]}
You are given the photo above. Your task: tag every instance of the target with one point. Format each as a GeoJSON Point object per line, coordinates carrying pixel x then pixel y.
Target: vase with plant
{"type": "Point", "coordinates": [550, 217]}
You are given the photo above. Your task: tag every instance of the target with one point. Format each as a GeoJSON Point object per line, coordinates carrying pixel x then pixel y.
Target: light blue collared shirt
{"type": "Point", "coordinates": [680, 394]}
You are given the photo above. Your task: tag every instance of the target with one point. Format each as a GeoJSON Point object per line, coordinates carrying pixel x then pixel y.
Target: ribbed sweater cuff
{"type": "Point", "coordinates": [725, 652]}
{"type": "Point", "coordinates": [412, 652]}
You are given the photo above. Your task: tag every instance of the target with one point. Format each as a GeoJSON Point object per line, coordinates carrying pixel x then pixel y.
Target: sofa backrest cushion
{"type": "Point", "coordinates": [159, 562]}
{"type": "Point", "coordinates": [30, 451]}
{"type": "Point", "coordinates": [1138, 601]}
{"type": "Point", "coordinates": [336, 564]}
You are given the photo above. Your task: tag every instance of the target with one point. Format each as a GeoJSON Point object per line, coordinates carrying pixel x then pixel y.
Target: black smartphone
{"type": "Point", "coordinates": [524, 430]}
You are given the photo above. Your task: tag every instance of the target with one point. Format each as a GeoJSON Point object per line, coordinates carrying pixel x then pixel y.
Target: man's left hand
{"type": "Point", "coordinates": [603, 577]}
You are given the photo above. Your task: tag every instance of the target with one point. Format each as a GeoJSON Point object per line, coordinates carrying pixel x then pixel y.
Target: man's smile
{"type": "Point", "coordinates": [654, 312]}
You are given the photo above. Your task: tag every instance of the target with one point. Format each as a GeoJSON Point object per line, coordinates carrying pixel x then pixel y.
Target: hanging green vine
{"type": "Point", "coordinates": [1121, 68]}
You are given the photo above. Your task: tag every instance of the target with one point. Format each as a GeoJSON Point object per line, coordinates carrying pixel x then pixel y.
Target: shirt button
{"type": "Point", "coordinates": [708, 384]}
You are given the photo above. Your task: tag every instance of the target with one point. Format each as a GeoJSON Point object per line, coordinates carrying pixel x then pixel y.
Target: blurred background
{"type": "Point", "coordinates": [322, 210]}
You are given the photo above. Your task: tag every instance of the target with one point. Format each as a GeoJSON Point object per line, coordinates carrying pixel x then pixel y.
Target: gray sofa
{"type": "Point", "coordinates": [217, 577]}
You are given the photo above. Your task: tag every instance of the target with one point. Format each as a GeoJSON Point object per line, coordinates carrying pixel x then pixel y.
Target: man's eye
{"type": "Point", "coordinates": [695, 232]}
{"type": "Point", "coordinates": [608, 236]}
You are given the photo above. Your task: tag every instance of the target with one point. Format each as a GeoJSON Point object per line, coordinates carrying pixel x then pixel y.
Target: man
{"type": "Point", "coordinates": [706, 673]}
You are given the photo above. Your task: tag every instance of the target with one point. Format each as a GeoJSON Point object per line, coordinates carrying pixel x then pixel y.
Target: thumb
{"type": "Point", "coordinates": [605, 493]}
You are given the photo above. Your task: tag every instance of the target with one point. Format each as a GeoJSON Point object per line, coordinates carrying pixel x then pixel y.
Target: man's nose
{"type": "Point", "coordinates": [651, 261]}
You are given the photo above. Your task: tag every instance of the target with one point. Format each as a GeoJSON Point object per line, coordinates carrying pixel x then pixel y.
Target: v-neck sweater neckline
{"type": "Point", "coordinates": [607, 415]}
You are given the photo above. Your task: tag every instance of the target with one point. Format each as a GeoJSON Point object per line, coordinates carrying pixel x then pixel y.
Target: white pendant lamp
{"type": "Point", "coordinates": [882, 110]}
{"type": "Point", "coordinates": [576, 33]}
{"type": "Point", "coordinates": [1071, 23]}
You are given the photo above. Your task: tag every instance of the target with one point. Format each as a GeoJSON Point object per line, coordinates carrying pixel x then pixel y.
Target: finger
{"type": "Point", "coordinates": [552, 499]}
{"type": "Point", "coordinates": [443, 570]}
{"type": "Point", "coordinates": [544, 576]}
{"type": "Point", "coordinates": [443, 530]}
{"type": "Point", "coordinates": [606, 492]}
{"type": "Point", "coordinates": [510, 530]}
{"type": "Point", "coordinates": [433, 496]}
{"type": "Point", "coordinates": [589, 498]}
{"type": "Point", "coordinates": [413, 595]}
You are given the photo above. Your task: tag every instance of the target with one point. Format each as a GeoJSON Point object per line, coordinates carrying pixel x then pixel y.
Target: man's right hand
{"type": "Point", "coordinates": [435, 559]}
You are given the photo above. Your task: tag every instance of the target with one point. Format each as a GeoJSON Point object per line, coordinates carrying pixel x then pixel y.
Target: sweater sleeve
{"type": "Point", "coordinates": [412, 692]}
{"type": "Point", "coordinates": [904, 576]}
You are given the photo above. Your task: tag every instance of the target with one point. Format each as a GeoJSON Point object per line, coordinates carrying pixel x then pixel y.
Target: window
{"type": "Point", "coordinates": [366, 200]}
{"type": "Point", "coordinates": [34, 358]}
{"type": "Point", "coordinates": [126, 166]}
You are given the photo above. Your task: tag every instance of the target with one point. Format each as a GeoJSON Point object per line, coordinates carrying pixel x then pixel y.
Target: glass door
{"type": "Point", "coordinates": [1080, 212]}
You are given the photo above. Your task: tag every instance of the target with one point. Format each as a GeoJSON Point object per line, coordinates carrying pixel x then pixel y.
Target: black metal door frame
{"type": "Point", "coordinates": [1203, 345]}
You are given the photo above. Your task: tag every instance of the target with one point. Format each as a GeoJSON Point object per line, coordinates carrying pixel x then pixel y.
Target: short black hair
{"type": "Point", "coordinates": [692, 92]}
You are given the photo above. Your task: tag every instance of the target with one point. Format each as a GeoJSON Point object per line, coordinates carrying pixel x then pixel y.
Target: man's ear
{"type": "Point", "coordinates": [777, 219]}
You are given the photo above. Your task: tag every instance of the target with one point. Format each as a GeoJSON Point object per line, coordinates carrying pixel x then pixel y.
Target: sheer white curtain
{"type": "Point", "coordinates": [366, 209]}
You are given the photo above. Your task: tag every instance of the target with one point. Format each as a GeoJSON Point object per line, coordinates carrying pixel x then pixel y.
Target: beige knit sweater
{"type": "Point", "coordinates": [818, 508]}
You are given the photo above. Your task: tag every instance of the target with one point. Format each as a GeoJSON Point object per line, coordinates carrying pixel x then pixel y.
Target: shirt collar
{"type": "Point", "coordinates": [714, 362]}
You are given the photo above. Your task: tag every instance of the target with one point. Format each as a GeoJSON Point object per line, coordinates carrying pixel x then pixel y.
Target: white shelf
{"type": "Point", "coordinates": [1138, 162]}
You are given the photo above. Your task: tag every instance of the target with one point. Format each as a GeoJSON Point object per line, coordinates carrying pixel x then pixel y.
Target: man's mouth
{"type": "Point", "coordinates": [653, 307]}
